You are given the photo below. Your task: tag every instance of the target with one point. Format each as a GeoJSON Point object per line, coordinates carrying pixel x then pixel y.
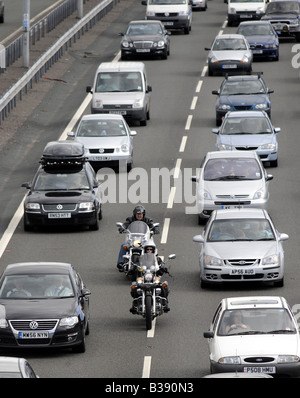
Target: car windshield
{"type": "Point", "coordinates": [255, 30]}
{"type": "Point", "coordinates": [36, 286]}
{"type": "Point", "coordinates": [144, 29]}
{"type": "Point", "coordinates": [61, 181]}
{"type": "Point", "coordinates": [242, 87]}
{"type": "Point", "coordinates": [246, 125]}
{"type": "Point", "coordinates": [229, 44]}
{"type": "Point", "coordinates": [283, 7]}
{"type": "Point", "coordinates": [256, 321]}
{"type": "Point", "coordinates": [240, 229]}
{"type": "Point", "coordinates": [232, 169]}
{"type": "Point", "coordinates": [118, 82]}
{"type": "Point", "coordinates": [101, 128]}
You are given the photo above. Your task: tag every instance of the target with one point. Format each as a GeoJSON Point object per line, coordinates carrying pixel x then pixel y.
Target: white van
{"type": "Point", "coordinates": [243, 10]}
{"type": "Point", "coordinates": [122, 88]}
{"type": "Point", "coordinates": [174, 14]}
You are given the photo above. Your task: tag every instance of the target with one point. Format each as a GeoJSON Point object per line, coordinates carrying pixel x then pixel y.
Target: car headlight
{"type": "Point", "coordinates": [211, 260]}
{"type": "Point", "coordinates": [182, 13]}
{"type": "Point", "coordinates": [261, 106]}
{"type": "Point", "coordinates": [214, 60]}
{"type": "Point", "coordinates": [3, 323]}
{"type": "Point", "coordinates": [125, 44]}
{"type": "Point", "coordinates": [232, 10]}
{"type": "Point", "coordinates": [288, 358]}
{"type": "Point", "coordinates": [86, 206]}
{"type": "Point", "coordinates": [150, 14]}
{"type": "Point", "coordinates": [124, 148]}
{"type": "Point", "coordinates": [245, 59]}
{"type": "Point", "coordinates": [224, 147]}
{"type": "Point", "coordinates": [98, 103]}
{"type": "Point", "coordinates": [224, 107]}
{"type": "Point", "coordinates": [230, 360]}
{"type": "Point", "coordinates": [270, 45]}
{"type": "Point", "coordinates": [270, 146]}
{"type": "Point", "coordinates": [258, 194]}
{"type": "Point", "coordinates": [273, 259]}
{"type": "Point", "coordinates": [32, 206]}
{"type": "Point", "coordinates": [161, 44]}
{"type": "Point", "coordinates": [138, 103]}
{"type": "Point", "coordinates": [69, 321]}
{"type": "Point", "coordinates": [260, 10]}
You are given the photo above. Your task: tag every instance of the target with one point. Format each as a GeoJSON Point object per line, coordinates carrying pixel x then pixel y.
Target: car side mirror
{"type": "Point", "coordinates": [25, 185]}
{"type": "Point", "coordinates": [89, 89]}
{"type": "Point", "coordinates": [277, 129]}
{"type": "Point", "coordinates": [149, 88]}
{"type": "Point", "coordinates": [208, 335]}
{"type": "Point", "coordinates": [269, 177]}
{"type": "Point", "coordinates": [215, 131]}
{"type": "Point", "coordinates": [198, 239]}
{"type": "Point", "coordinates": [270, 91]}
{"type": "Point", "coordinates": [85, 292]}
{"type": "Point", "coordinates": [215, 92]}
{"type": "Point", "coordinates": [71, 134]}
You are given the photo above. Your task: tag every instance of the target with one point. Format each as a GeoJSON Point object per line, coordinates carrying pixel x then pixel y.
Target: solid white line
{"type": "Point", "coordinates": [194, 103]}
{"type": "Point", "coordinates": [171, 198]}
{"type": "Point", "coordinates": [183, 143]}
{"type": "Point", "coordinates": [188, 122]}
{"type": "Point", "coordinates": [199, 85]}
{"type": "Point", "coordinates": [177, 168]}
{"type": "Point", "coordinates": [164, 235]}
{"type": "Point", "coordinates": [146, 367]}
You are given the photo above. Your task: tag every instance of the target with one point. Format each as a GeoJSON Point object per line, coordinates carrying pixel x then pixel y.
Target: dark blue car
{"type": "Point", "coordinates": [242, 93]}
{"type": "Point", "coordinates": [262, 38]}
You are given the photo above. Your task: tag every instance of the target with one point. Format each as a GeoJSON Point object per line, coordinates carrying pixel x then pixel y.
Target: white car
{"type": "Point", "coordinates": [257, 334]}
{"type": "Point", "coordinates": [231, 179]}
{"type": "Point", "coordinates": [107, 140]}
{"type": "Point", "coordinates": [241, 246]}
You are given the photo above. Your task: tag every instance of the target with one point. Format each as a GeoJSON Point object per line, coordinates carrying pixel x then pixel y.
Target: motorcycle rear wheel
{"type": "Point", "coordinates": [148, 307]}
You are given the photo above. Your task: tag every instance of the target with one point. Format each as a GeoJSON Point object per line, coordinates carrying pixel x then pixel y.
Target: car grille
{"type": "Point", "coordinates": [284, 21]}
{"type": "Point", "coordinates": [259, 359]}
{"type": "Point", "coordinates": [60, 207]}
{"type": "Point", "coordinates": [43, 324]}
{"type": "Point", "coordinates": [256, 46]}
{"type": "Point", "coordinates": [143, 44]}
{"type": "Point", "coordinates": [105, 150]}
{"type": "Point", "coordinates": [244, 196]}
{"type": "Point", "coordinates": [245, 262]}
{"type": "Point", "coordinates": [243, 107]}
{"type": "Point", "coordinates": [162, 14]}
{"type": "Point", "coordinates": [118, 107]}
{"type": "Point", "coordinates": [246, 148]}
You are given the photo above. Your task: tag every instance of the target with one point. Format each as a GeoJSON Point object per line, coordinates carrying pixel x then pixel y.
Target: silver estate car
{"type": "Point", "coordinates": [229, 53]}
{"type": "Point", "coordinates": [249, 131]}
{"type": "Point", "coordinates": [107, 139]}
{"type": "Point", "coordinates": [241, 245]}
{"type": "Point", "coordinates": [231, 180]}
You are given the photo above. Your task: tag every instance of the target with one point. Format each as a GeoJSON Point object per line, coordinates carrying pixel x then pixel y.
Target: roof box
{"type": "Point", "coordinates": [63, 153]}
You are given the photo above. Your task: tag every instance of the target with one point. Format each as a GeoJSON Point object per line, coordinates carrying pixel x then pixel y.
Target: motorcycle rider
{"type": "Point", "coordinates": [139, 214]}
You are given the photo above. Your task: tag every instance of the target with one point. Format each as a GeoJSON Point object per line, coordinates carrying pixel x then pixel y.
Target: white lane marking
{"type": "Point", "coordinates": [204, 70]}
{"type": "Point", "coordinates": [194, 103]}
{"type": "Point", "coordinates": [151, 332]}
{"type": "Point", "coordinates": [177, 168]}
{"type": "Point", "coordinates": [183, 143]}
{"type": "Point", "coordinates": [188, 122]}
{"type": "Point", "coordinates": [199, 85]}
{"type": "Point", "coordinates": [164, 235]}
{"type": "Point", "coordinates": [146, 367]}
{"type": "Point", "coordinates": [171, 198]}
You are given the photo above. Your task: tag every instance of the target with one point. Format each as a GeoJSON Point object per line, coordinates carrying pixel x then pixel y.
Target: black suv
{"type": "Point", "coordinates": [64, 190]}
{"type": "Point", "coordinates": [285, 18]}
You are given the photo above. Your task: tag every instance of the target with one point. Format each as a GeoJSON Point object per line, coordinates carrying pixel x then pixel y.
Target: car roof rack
{"type": "Point", "coordinates": [63, 154]}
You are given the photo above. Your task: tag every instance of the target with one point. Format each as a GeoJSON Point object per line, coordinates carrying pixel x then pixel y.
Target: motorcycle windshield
{"type": "Point", "coordinates": [148, 260]}
{"type": "Point", "coordinates": [138, 227]}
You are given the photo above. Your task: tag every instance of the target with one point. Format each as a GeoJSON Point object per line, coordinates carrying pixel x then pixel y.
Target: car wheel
{"type": "Point", "coordinates": [95, 226]}
{"type": "Point", "coordinates": [274, 163]}
{"type": "Point", "coordinates": [80, 348]}
{"type": "Point", "coordinates": [201, 220]}
{"type": "Point", "coordinates": [279, 283]}
{"type": "Point", "coordinates": [27, 226]}
{"type": "Point", "coordinates": [210, 72]}
{"type": "Point", "coordinates": [165, 54]}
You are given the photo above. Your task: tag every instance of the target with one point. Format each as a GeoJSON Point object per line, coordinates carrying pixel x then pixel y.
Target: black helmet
{"type": "Point", "coordinates": [139, 210]}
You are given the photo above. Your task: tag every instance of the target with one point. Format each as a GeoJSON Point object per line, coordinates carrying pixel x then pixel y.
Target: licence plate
{"type": "Point", "coordinates": [98, 158]}
{"type": "Point", "coordinates": [118, 112]}
{"type": "Point", "coordinates": [246, 16]}
{"type": "Point", "coordinates": [59, 215]}
{"type": "Point", "coordinates": [168, 23]}
{"type": "Point", "coordinates": [229, 66]}
{"type": "Point", "coordinates": [143, 50]}
{"type": "Point", "coordinates": [278, 26]}
{"type": "Point", "coordinates": [33, 335]}
{"type": "Point", "coordinates": [242, 271]}
{"type": "Point", "coordinates": [231, 206]}
{"type": "Point", "coordinates": [258, 369]}
{"type": "Point", "coordinates": [257, 51]}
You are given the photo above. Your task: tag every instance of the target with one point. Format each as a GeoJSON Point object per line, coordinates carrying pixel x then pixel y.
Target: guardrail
{"type": "Point", "coordinates": [9, 100]}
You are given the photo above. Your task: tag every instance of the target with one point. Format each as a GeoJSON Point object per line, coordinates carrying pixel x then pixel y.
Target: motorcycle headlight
{"type": "Point", "coordinates": [288, 358]}
{"type": "Point", "coordinates": [211, 260]}
{"type": "Point", "coordinates": [230, 360]}
{"type": "Point", "coordinates": [148, 277]}
{"type": "Point", "coordinates": [273, 259]}
{"type": "Point", "coordinates": [136, 243]}
{"type": "Point", "coordinates": [69, 321]}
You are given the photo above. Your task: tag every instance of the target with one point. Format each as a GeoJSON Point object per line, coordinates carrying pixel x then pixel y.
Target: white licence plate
{"type": "Point", "coordinates": [229, 66]}
{"type": "Point", "coordinates": [232, 207]}
{"type": "Point", "coordinates": [242, 271]}
{"type": "Point", "coordinates": [99, 158]}
{"type": "Point", "coordinates": [33, 335]}
{"type": "Point", "coordinates": [246, 16]}
{"type": "Point", "coordinates": [257, 51]}
{"type": "Point", "coordinates": [168, 23]}
{"type": "Point", "coordinates": [59, 215]}
{"type": "Point", "coordinates": [143, 50]}
{"type": "Point", "coordinates": [118, 112]}
{"type": "Point", "coordinates": [258, 369]}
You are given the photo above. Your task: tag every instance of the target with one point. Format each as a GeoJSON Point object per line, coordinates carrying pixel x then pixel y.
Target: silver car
{"type": "Point", "coordinates": [231, 180]}
{"type": "Point", "coordinates": [229, 53]}
{"type": "Point", "coordinates": [249, 131]}
{"type": "Point", "coordinates": [107, 139]}
{"type": "Point", "coordinates": [241, 245]}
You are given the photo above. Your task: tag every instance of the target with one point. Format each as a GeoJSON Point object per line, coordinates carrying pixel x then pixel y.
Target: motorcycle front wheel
{"type": "Point", "coordinates": [148, 307]}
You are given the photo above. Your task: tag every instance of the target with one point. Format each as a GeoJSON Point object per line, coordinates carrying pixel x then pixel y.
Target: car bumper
{"type": "Point", "coordinates": [128, 114]}
{"type": "Point", "coordinates": [292, 369]}
{"type": "Point", "coordinates": [239, 17]}
{"type": "Point", "coordinates": [137, 52]}
{"type": "Point", "coordinates": [265, 53]}
{"type": "Point", "coordinates": [200, 5]}
{"type": "Point", "coordinates": [179, 22]}
{"type": "Point", "coordinates": [229, 67]}
{"type": "Point", "coordinates": [33, 219]}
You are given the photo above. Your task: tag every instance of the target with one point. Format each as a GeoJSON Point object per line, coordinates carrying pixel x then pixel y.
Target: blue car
{"type": "Point", "coordinates": [249, 131]}
{"type": "Point", "coordinates": [262, 38]}
{"type": "Point", "coordinates": [242, 93]}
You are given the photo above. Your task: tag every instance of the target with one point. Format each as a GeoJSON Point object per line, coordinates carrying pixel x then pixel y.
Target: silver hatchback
{"type": "Point", "coordinates": [231, 180]}
{"type": "Point", "coordinates": [241, 246]}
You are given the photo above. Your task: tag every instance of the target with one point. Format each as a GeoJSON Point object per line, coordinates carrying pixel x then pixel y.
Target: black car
{"type": "Point", "coordinates": [145, 38]}
{"type": "Point", "coordinates": [43, 304]}
{"type": "Point", "coordinates": [242, 93]}
{"type": "Point", "coordinates": [64, 191]}
{"type": "Point", "coordinates": [285, 18]}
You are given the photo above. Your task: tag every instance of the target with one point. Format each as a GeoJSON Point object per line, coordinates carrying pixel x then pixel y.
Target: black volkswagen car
{"type": "Point", "coordinates": [64, 190]}
{"type": "Point", "coordinates": [44, 304]}
{"type": "Point", "coordinates": [144, 38]}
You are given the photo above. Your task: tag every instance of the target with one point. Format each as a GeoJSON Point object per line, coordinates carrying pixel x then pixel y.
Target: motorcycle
{"type": "Point", "coordinates": [138, 233]}
{"type": "Point", "coordinates": [150, 294]}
